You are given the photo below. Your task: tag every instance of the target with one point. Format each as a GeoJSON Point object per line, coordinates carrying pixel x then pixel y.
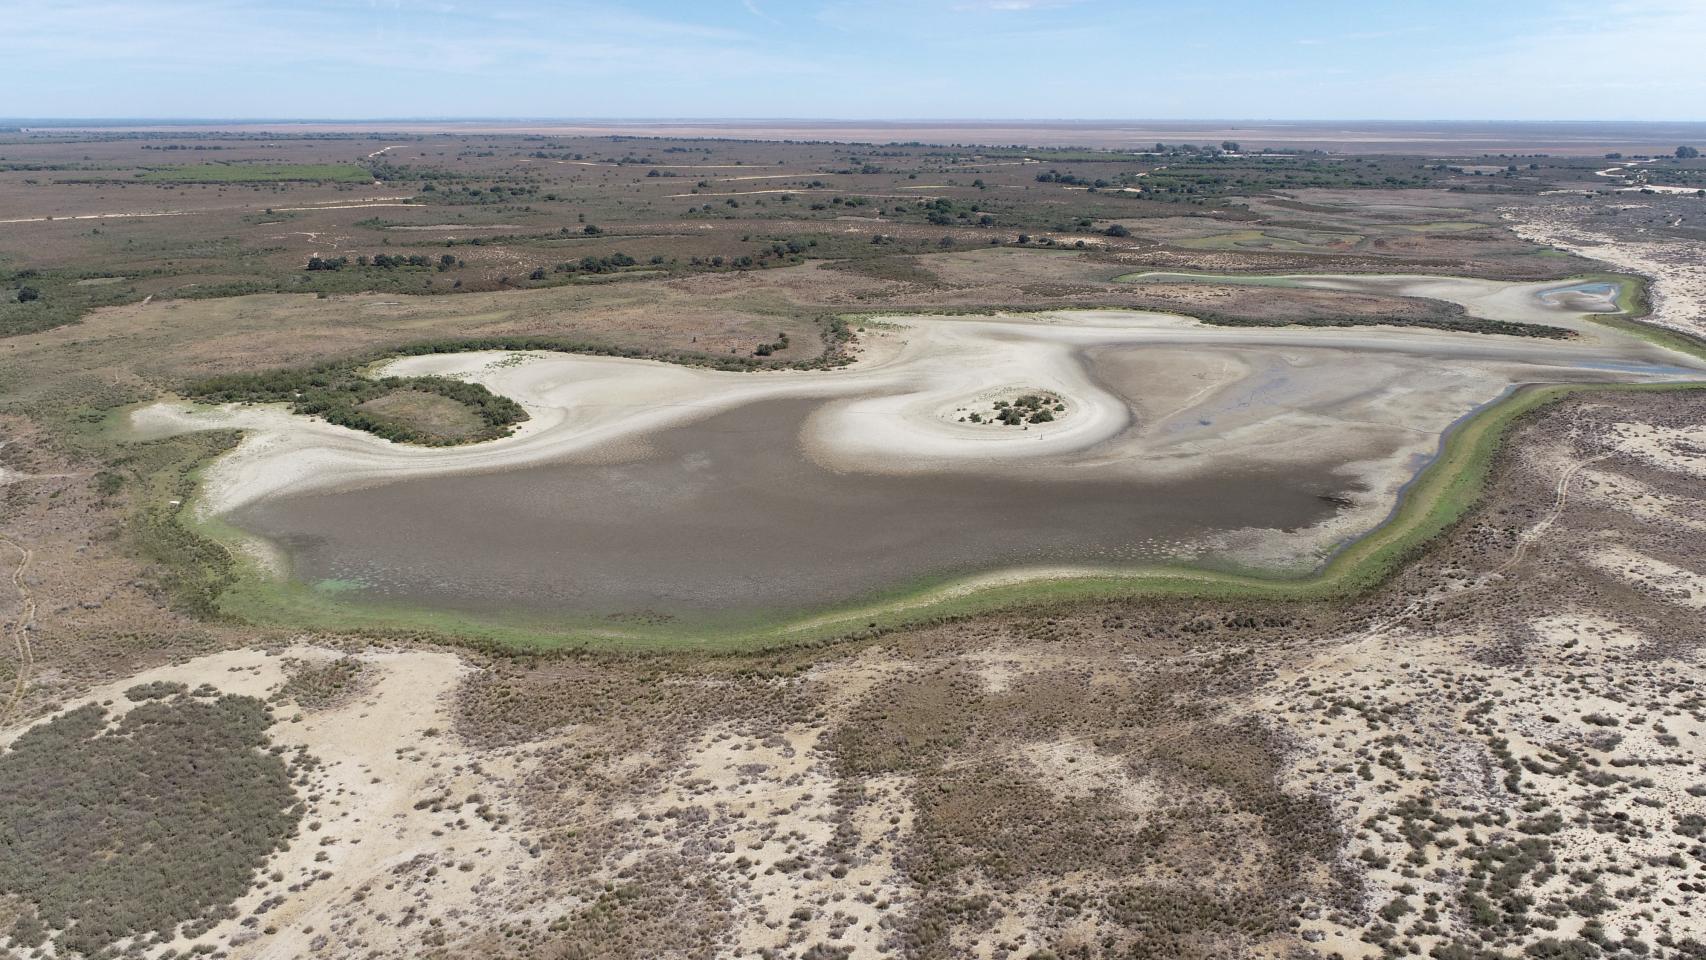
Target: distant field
{"type": "Point", "coordinates": [213, 214]}
{"type": "Point", "coordinates": [259, 173]}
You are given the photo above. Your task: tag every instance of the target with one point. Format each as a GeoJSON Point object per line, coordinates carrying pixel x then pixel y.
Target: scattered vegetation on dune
{"type": "Point", "coordinates": [1026, 408]}
{"type": "Point", "coordinates": [340, 393]}
{"type": "Point", "coordinates": [318, 686]}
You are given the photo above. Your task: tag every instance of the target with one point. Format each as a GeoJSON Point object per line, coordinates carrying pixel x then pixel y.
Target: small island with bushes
{"type": "Point", "coordinates": [1023, 410]}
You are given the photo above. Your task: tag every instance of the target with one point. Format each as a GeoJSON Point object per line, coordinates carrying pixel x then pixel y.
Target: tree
{"type": "Point", "coordinates": [26, 294]}
{"type": "Point", "coordinates": [1230, 146]}
{"type": "Point", "coordinates": [1687, 153]}
{"type": "Point", "coordinates": [1117, 230]}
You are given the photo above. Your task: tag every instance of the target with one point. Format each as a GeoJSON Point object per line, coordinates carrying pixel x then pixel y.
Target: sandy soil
{"type": "Point", "coordinates": [1426, 738]}
{"type": "Point", "coordinates": [1675, 266]}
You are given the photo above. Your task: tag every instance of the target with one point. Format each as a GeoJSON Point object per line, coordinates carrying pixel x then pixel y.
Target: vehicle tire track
{"type": "Point", "coordinates": [1560, 500]}
{"type": "Point", "coordinates": [20, 630]}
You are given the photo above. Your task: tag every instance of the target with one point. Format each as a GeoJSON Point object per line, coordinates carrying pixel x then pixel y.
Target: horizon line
{"type": "Point", "coordinates": [204, 120]}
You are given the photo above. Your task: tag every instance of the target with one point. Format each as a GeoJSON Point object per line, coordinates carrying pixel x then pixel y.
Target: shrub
{"type": "Point", "coordinates": [163, 819]}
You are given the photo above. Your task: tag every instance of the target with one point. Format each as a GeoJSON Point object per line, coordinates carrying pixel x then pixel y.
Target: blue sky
{"type": "Point", "coordinates": [882, 59]}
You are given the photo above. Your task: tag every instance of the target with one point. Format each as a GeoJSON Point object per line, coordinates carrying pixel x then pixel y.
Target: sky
{"type": "Point", "coordinates": [841, 59]}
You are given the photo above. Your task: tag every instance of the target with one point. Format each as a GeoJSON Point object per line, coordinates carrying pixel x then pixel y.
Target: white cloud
{"type": "Point", "coordinates": [211, 35]}
{"type": "Point", "coordinates": [1613, 59]}
{"type": "Point", "coordinates": [1363, 37]}
{"type": "Point", "coordinates": [1610, 59]}
{"type": "Point", "coordinates": [1010, 5]}
{"type": "Point", "coordinates": [753, 8]}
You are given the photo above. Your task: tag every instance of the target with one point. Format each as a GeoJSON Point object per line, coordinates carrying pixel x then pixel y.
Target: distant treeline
{"type": "Point", "coordinates": [383, 261]}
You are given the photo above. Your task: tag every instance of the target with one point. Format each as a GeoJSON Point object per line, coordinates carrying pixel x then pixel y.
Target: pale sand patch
{"type": "Point", "coordinates": [1680, 449]}
{"type": "Point", "coordinates": [1585, 632]}
{"type": "Point", "coordinates": [770, 802]}
{"type": "Point", "coordinates": [1662, 188]}
{"type": "Point", "coordinates": [846, 681]}
{"type": "Point", "coordinates": [1071, 768]}
{"type": "Point", "coordinates": [997, 670]}
{"type": "Point", "coordinates": [1605, 488]}
{"type": "Point", "coordinates": [1679, 585]}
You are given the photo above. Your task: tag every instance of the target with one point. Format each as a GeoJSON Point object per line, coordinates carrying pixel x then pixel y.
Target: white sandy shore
{"type": "Point", "coordinates": [1675, 266]}
{"type": "Point", "coordinates": [1193, 399]}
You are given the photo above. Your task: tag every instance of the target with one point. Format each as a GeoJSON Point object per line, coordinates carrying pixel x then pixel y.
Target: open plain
{"type": "Point", "coordinates": [567, 544]}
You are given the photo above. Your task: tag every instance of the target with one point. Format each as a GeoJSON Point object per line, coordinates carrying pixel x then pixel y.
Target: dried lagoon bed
{"type": "Point", "coordinates": [647, 503]}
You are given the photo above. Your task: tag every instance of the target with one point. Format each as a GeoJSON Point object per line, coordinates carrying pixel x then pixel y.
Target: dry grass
{"type": "Point", "coordinates": [440, 418]}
